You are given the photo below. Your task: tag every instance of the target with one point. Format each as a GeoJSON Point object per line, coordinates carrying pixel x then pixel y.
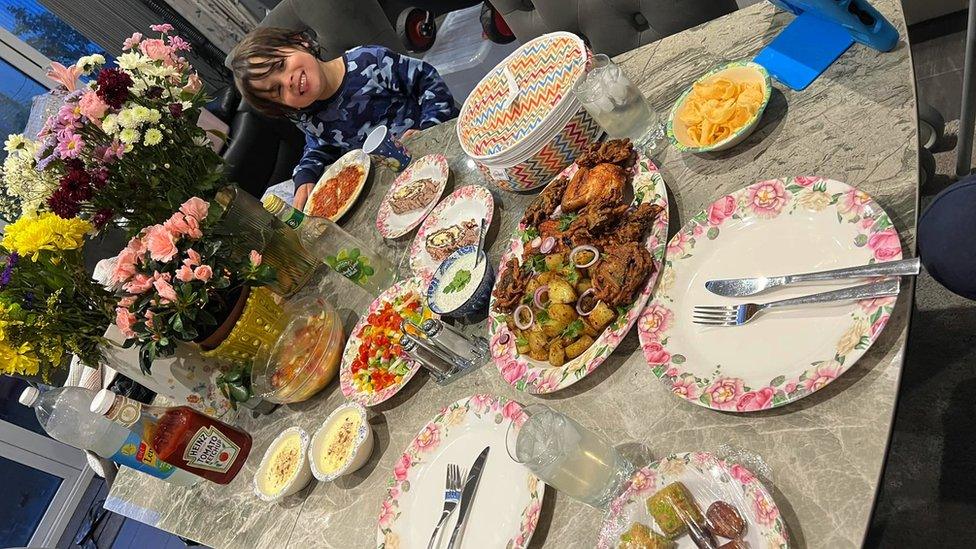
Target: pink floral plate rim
{"type": "Point", "coordinates": [421, 263]}
{"type": "Point", "coordinates": [392, 225]}
{"type": "Point", "coordinates": [757, 203]}
{"type": "Point", "coordinates": [352, 347]}
{"type": "Point", "coordinates": [480, 407]}
{"type": "Point", "coordinates": [528, 375]}
{"type": "Point", "coordinates": [730, 482]}
{"type": "Point", "coordinates": [355, 157]}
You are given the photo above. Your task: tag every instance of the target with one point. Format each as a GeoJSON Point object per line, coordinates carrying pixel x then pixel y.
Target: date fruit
{"type": "Point", "coordinates": [723, 520]}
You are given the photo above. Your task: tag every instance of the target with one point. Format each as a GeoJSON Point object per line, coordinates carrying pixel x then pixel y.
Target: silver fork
{"type": "Point", "coordinates": [452, 495]}
{"type": "Point", "coordinates": [737, 315]}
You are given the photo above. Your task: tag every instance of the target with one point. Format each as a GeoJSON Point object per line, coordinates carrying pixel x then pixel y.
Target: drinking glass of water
{"type": "Point", "coordinates": [567, 456]}
{"type": "Point", "coordinates": [617, 105]}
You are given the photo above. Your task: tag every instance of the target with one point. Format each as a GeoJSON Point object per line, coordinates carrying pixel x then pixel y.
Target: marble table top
{"type": "Point", "coordinates": [824, 453]}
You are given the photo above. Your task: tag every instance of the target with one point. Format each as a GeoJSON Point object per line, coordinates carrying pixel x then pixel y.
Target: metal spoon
{"type": "Point", "coordinates": [481, 242]}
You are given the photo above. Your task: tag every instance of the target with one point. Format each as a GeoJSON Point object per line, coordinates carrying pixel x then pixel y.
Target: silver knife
{"type": "Point", "coordinates": [467, 495]}
{"type": "Point", "coordinates": [742, 287]}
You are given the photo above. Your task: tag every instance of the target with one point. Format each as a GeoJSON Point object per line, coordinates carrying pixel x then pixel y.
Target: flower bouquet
{"type": "Point", "coordinates": [125, 148]}
{"type": "Point", "coordinates": [49, 306]}
{"type": "Point", "coordinates": [179, 280]}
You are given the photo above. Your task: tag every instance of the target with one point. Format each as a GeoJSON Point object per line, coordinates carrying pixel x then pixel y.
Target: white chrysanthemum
{"type": "Point", "coordinates": [110, 124]}
{"type": "Point", "coordinates": [154, 116]}
{"type": "Point", "coordinates": [132, 61]}
{"type": "Point", "coordinates": [15, 141]}
{"type": "Point", "coordinates": [24, 181]}
{"type": "Point", "coordinates": [89, 63]}
{"type": "Point", "coordinates": [153, 137]}
{"type": "Point", "coordinates": [129, 136]}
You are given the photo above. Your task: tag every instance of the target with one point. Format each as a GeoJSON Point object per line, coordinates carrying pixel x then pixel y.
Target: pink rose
{"type": "Point", "coordinates": [402, 467]}
{"type": "Point", "coordinates": [672, 372]}
{"type": "Point", "coordinates": [196, 208]}
{"type": "Point", "coordinates": [878, 325]}
{"type": "Point", "coordinates": [766, 513]}
{"type": "Point", "coordinates": [804, 181]}
{"type": "Point", "coordinates": [885, 244]}
{"type": "Point", "coordinates": [386, 514]}
{"type": "Point", "coordinates": [203, 273]}
{"type": "Point", "coordinates": [92, 107]}
{"type": "Point", "coordinates": [125, 267]}
{"type": "Point", "coordinates": [741, 474]}
{"type": "Point", "coordinates": [156, 49]}
{"type": "Point", "coordinates": [854, 202]}
{"type": "Point", "coordinates": [124, 320]}
{"type": "Point", "coordinates": [655, 353]}
{"type": "Point", "coordinates": [513, 371]}
{"type": "Point", "coordinates": [532, 514]}
{"type": "Point", "coordinates": [161, 243]}
{"type": "Point", "coordinates": [139, 284]}
{"type": "Point", "coordinates": [193, 84]}
{"type": "Point", "coordinates": [428, 439]}
{"type": "Point", "coordinates": [822, 375]}
{"type": "Point", "coordinates": [655, 321]}
{"type": "Point", "coordinates": [642, 481]}
{"type": "Point", "coordinates": [724, 392]}
{"type": "Point", "coordinates": [165, 290]}
{"type": "Point", "coordinates": [697, 230]}
{"type": "Point", "coordinates": [871, 305]}
{"type": "Point", "coordinates": [767, 198]}
{"type": "Point", "coordinates": [480, 402]}
{"type": "Point", "coordinates": [184, 274]}
{"type": "Point", "coordinates": [255, 258]}
{"type": "Point", "coordinates": [676, 245]}
{"type": "Point", "coordinates": [512, 411]}
{"type": "Point", "coordinates": [721, 209]}
{"type": "Point", "coordinates": [192, 258]}
{"type": "Point", "coordinates": [132, 41]}
{"type": "Point", "coordinates": [545, 383]}
{"type": "Point", "coordinates": [756, 400]}
{"type": "Point", "coordinates": [867, 222]}
{"type": "Point", "coordinates": [685, 387]}
{"type": "Point", "coordinates": [789, 388]}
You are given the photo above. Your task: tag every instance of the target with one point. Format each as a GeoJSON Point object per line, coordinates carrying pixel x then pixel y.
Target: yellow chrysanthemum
{"type": "Point", "coordinates": [30, 235]}
{"type": "Point", "coordinates": [153, 137]}
{"type": "Point", "coordinates": [20, 360]}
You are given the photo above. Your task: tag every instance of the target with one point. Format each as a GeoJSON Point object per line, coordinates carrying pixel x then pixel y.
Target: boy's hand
{"type": "Point", "coordinates": [301, 195]}
{"type": "Point", "coordinates": [410, 133]}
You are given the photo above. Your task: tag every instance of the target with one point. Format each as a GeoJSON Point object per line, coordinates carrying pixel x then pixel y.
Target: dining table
{"type": "Point", "coordinates": [821, 457]}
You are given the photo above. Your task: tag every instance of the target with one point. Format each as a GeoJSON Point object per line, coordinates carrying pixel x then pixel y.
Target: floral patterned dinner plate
{"type": "Point", "coordinates": [349, 353]}
{"type": "Point", "coordinates": [774, 227]}
{"type": "Point", "coordinates": [709, 479]}
{"type": "Point", "coordinates": [457, 212]}
{"type": "Point", "coordinates": [432, 170]}
{"type": "Point", "coordinates": [352, 158]}
{"type": "Point", "coordinates": [505, 510]}
{"type": "Point", "coordinates": [537, 377]}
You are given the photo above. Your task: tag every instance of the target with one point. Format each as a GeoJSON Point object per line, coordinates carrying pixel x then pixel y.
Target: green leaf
{"type": "Point", "coordinates": [573, 330]}
{"type": "Point", "coordinates": [175, 197]}
{"type": "Point", "coordinates": [176, 321]}
{"type": "Point", "coordinates": [712, 233]}
{"type": "Point", "coordinates": [529, 234]}
{"type": "Point", "coordinates": [368, 271]}
{"type": "Point", "coordinates": [860, 240]}
{"type": "Point", "coordinates": [521, 341]}
{"type": "Point", "coordinates": [460, 280]}
{"type": "Point", "coordinates": [566, 220]}
{"type": "Point", "coordinates": [331, 261]}
{"type": "Point", "coordinates": [678, 359]}
{"type": "Point", "coordinates": [353, 253]}
{"type": "Point", "coordinates": [542, 316]}
{"type": "Point", "coordinates": [777, 381]}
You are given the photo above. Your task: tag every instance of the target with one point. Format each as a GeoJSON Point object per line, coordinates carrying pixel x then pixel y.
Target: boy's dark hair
{"type": "Point", "coordinates": [261, 53]}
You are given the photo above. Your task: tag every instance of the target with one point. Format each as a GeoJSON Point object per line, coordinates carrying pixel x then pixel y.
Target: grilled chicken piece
{"type": "Point", "coordinates": [544, 204]}
{"type": "Point", "coordinates": [613, 151]}
{"type": "Point", "coordinates": [604, 183]}
{"type": "Point", "coordinates": [621, 272]}
{"type": "Point", "coordinates": [511, 286]}
{"type": "Point", "coordinates": [634, 225]}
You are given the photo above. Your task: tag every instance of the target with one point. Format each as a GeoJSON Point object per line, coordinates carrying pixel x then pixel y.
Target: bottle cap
{"type": "Point", "coordinates": [102, 402]}
{"type": "Point", "coordinates": [29, 396]}
{"type": "Point", "coordinates": [273, 204]}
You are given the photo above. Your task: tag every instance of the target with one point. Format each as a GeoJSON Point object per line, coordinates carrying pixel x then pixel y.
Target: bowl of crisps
{"type": "Point", "coordinates": [721, 108]}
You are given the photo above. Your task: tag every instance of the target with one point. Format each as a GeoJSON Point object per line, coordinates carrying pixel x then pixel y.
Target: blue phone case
{"type": "Point", "coordinates": [858, 17]}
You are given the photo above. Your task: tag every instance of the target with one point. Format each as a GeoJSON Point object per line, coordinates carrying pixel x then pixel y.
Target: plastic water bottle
{"type": "Point", "coordinates": [64, 413]}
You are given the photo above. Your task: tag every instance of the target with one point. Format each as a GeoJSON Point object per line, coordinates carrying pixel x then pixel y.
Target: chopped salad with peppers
{"type": "Point", "coordinates": [380, 361]}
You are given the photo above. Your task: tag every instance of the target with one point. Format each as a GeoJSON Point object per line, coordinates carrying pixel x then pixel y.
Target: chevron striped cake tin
{"type": "Point", "coordinates": [522, 124]}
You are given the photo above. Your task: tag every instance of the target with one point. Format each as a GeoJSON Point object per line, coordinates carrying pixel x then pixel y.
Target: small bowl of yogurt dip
{"type": "Point", "coordinates": [284, 468]}
{"type": "Point", "coordinates": [461, 286]}
{"type": "Point", "coordinates": [342, 444]}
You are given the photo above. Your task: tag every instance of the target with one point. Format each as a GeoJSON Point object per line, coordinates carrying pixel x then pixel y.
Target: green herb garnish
{"type": "Point", "coordinates": [542, 316]}
{"type": "Point", "coordinates": [521, 341]}
{"type": "Point", "coordinates": [538, 263]}
{"type": "Point", "coordinates": [574, 329]}
{"type": "Point", "coordinates": [461, 280]}
{"type": "Point", "coordinates": [529, 234]}
{"type": "Point", "coordinates": [566, 220]}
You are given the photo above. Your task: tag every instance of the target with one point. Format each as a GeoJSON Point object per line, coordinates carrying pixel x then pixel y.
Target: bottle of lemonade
{"type": "Point", "coordinates": [331, 244]}
{"type": "Point", "coordinates": [181, 436]}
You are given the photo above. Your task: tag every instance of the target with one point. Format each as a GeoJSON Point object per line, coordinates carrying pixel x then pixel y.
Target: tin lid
{"type": "Point", "coordinates": [514, 101]}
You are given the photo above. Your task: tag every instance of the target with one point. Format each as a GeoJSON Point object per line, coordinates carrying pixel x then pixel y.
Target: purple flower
{"type": "Point", "coordinates": [9, 269]}
{"type": "Point", "coordinates": [178, 43]}
{"type": "Point", "coordinates": [176, 109]}
{"type": "Point", "coordinates": [28, 301]}
{"type": "Point", "coordinates": [154, 92]}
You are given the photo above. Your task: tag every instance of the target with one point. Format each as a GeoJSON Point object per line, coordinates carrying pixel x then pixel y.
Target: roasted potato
{"type": "Point", "coordinates": [541, 355]}
{"type": "Point", "coordinates": [554, 261]}
{"type": "Point", "coordinates": [560, 315]}
{"type": "Point", "coordinates": [557, 355]}
{"type": "Point", "coordinates": [601, 315]}
{"type": "Point", "coordinates": [523, 349]}
{"type": "Point", "coordinates": [561, 291]}
{"type": "Point", "coordinates": [591, 330]}
{"type": "Point", "coordinates": [583, 285]}
{"type": "Point", "coordinates": [579, 346]}
{"type": "Point", "coordinates": [537, 342]}
{"type": "Point", "coordinates": [532, 286]}
{"type": "Point", "coordinates": [545, 277]}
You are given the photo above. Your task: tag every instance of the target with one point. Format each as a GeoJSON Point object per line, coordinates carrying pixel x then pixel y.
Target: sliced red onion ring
{"type": "Point", "coordinates": [537, 298]}
{"type": "Point", "coordinates": [579, 304]}
{"type": "Point", "coordinates": [584, 248]}
{"type": "Point", "coordinates": [547, 245]}
{"type": "Point", "coordinates": [518, 317]}
{"type": "Point", "coordinates": [504, 338]}
{"type": "Point", "coordinates": [535, 242]}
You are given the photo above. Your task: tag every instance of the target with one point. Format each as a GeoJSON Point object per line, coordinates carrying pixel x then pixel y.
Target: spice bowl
{"type": "Point", "coordinates": [342, 444]}
{"type": "Point", "coordinates": [284, 469]}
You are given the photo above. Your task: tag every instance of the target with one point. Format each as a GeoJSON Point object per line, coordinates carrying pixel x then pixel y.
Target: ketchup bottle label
{"type": "Point", "coordinates": [211, 450]}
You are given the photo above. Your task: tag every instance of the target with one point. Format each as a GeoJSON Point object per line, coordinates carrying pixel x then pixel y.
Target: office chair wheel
{"type": "Point", "coordinates": [926, 167]}
{"type": "Point", "coordinates": [931, 126]}
{"type": "Point", "coordinates": [494, 25]}
{"type": "Point", "coordinates": [416, 29]}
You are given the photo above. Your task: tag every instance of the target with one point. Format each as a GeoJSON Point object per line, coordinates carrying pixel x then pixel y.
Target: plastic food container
{"type": "Point", "coordinates": [522, 124]}
{"type": "Point", "coordinates": [282, 471]}
{"type": "Point", "coordinates": [347, 436]}
{"type": "Point", "coordinates": [305, 358]}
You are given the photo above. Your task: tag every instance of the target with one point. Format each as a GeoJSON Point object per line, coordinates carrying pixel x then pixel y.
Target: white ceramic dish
{"type": "Point", "coordinates": [737, 71]}
{"type": "Point", "coordinates": [362, 445]}
{"type": "Point", "coordinates": [299, 478]}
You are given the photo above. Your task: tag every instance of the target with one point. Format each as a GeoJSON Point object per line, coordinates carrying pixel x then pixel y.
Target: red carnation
{"type": "Point", "coordinates": [102, 217]}
{"type": "Point", "coordinates": [62, 204]}
{"type": "Point", "coordinates": [113, 87]}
